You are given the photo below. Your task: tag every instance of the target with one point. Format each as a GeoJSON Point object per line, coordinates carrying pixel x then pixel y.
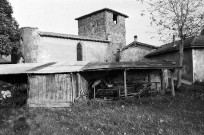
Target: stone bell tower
{"type": "Point", "coordinates": [105, 24]}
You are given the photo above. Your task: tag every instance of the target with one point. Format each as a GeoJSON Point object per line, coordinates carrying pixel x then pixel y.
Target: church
{"type": "Point", "coordinates": [59, 68]}
{"type": "Point", "coordinates": [101, 37]}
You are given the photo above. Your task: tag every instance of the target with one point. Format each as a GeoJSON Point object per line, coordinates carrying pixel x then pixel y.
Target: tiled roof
{"type": "Point", "coordinates": [134, 43]}
{"type": "Point", "coordinates": [68, 36]}
{"type": "Point", "coordinates": [191, 42]}
{"type": "Point", "coordinates": [102, 10]}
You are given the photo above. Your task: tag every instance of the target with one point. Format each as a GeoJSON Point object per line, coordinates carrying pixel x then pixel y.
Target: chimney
{"type": "Point", "coordinates": [135, 38]}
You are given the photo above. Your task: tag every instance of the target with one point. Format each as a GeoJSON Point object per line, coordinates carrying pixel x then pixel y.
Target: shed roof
{"type": "Point", "coordinates": [69, 36]}
{"type": "Point", "coordinates": [146, 64]}
{"type": "Point", "coordinates": [52, 67]}
{"type": "Point", "coordinates": [136, 43]}
{"type": "Point", "coordinates": [191, 42]}
{"type": "Point", "coordinates": [102, 10]}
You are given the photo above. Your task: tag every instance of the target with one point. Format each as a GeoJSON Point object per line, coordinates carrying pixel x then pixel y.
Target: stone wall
{"type": "Point", "coordinates": [57, 49]}
{"type": "Point", "coordinates": [49, 49]}
{"type": "Point", "coordinates": [102, 26]}
{"type": "Point", "coordinates": [93, 26]}
{"type": "Point", "coordinates": [134, 53]}
{"type": "Point", "coordinates": [198, 64]}
{"type": "Point", "coordinates": [29, 44]}
{"type": "Point", "coordinates": [117, 32]}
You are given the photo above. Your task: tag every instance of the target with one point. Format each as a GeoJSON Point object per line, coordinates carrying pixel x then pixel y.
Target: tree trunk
{"type": "Point", "coordinates": [180, 64]}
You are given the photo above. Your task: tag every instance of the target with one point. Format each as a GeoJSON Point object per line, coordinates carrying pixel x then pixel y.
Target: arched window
{"type": "Point", "coordinates": [79, 52]}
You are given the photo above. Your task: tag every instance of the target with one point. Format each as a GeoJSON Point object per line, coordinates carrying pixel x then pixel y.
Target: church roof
{"type": "Point", "coordinates": [136, 43]}
{"type": "Point", "coordinates": [68, 36]}
{"type": "Point", "coordinates": [102, 10]}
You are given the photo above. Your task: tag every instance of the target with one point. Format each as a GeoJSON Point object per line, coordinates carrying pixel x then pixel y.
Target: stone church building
{"type": "Point", "coordinates": [101, 37]}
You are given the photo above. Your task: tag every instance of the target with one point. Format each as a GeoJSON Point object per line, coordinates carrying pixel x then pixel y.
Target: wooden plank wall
{"type": "Point", "coordinates": [82, 86]}
{"type": "Point", "coordinates": [52, 90]}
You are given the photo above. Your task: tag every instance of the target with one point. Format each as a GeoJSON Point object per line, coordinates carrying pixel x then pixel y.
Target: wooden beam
{"type": "Point", "coordinates": [172, 83]}
{"type": "Point", "coordinates": [165, 83]}
{"type": "Point", "coordinates": [125, 82]}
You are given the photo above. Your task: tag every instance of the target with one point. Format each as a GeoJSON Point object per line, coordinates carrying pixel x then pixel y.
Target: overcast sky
{"type": "Point", "coordinates": [59, 16]}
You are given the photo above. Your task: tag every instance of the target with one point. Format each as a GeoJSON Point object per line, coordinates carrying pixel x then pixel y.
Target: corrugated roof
{"type": "Point", "coordinates": [191, 42]}
{"type": "Point", "coordinates": [58, 68]}
{"type": "Point", "coordinates": [48, 68]}
{"type": "Point", "coordinates": [134, 43]}
{"type": "Point", "coordinates": [146, 64]}
{"type": "Point", "coordinates": [102, 10]}
{"type": "Point", "coordinates": [68, 36]}
{"type": "Point", "coordinates": [6, 69]}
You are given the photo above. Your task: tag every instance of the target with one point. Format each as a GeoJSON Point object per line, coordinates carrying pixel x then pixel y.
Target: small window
{"type": "Point", "coordinates": [115, 18]}
{"type": "Point", "coordinates": [79, 52]}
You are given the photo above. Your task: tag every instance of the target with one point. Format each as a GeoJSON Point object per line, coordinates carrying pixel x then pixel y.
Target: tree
{"type": "Point", "coordinates": [9, 30]}
{"type": "Point", "coordinates": [183, 18]}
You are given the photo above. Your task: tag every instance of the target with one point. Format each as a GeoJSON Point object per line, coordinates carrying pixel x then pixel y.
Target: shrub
{"type": "Point", "coordinates": [17, 97]}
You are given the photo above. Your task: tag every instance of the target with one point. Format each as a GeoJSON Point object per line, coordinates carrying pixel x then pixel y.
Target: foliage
{"type": "Point", "coordinates": [13, 100]}
{"type": "Point", "coordinates": [9, 31]}
{"type": "Point", "coordinates": [183, 18]}
{"type": "Point", "coordinates": [183, 114]}
{"type": "Point", "coordinates": [176, 17]}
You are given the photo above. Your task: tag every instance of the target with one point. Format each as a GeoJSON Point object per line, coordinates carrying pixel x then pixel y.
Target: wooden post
{"type": "Point", "coordinates": [94, 92]}
{"type": "Point", "coordinates": [79, 84]}
{"type": "Point", "coordinates": [163, 84]}
{"type": "Point", "coordinates": [73, 87]}
{"type": "Point", "coordinates": [172, 83]}
{"type": "Point", "coordinates": [125, 83]}
{"type": "Point", "coordinates": [162, 81]}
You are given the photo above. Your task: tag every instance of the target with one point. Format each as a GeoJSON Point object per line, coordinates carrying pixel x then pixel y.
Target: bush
{"type": "Point", "coordinates": [199, 83]}
{"type": "Point", "coordinates": [18, 96]}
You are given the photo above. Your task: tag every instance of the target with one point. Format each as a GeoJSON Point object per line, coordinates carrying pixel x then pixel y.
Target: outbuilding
{"type": "Point", "coordinates": [60, 84]}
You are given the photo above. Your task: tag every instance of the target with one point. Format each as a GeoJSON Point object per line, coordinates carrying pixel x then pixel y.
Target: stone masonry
{"type": "Point", "coordinates": [101, 34]}
{"type": "Point", "coordinates": [105, 24]}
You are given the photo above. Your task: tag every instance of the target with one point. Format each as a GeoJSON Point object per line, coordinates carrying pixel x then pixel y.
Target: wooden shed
{"type": "Point", "coordinates": [55, 85]}
{"type": "Point", "coordinates": [59, 84]}
{"type": "Point", "coordinates": [55, 90]}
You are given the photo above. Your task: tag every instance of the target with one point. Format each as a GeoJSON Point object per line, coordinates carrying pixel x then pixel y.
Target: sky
{"type": "Point", "coordinates": [59, 16]}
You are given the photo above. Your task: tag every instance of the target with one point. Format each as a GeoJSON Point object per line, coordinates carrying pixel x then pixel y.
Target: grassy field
{"type": "Point", "coordinates": [163, 115]}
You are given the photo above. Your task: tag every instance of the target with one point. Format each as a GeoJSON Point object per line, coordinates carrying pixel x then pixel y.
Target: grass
{"type": "Point", "coordinates": [164, 115]}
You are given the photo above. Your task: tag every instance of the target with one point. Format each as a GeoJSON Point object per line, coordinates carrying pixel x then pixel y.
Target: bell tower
{"type": "Point", "coordinates": [105, 24]}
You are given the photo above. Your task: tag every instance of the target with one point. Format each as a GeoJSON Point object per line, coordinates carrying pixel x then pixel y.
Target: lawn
{"type": "Point", "coordinates": [181, 115]}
